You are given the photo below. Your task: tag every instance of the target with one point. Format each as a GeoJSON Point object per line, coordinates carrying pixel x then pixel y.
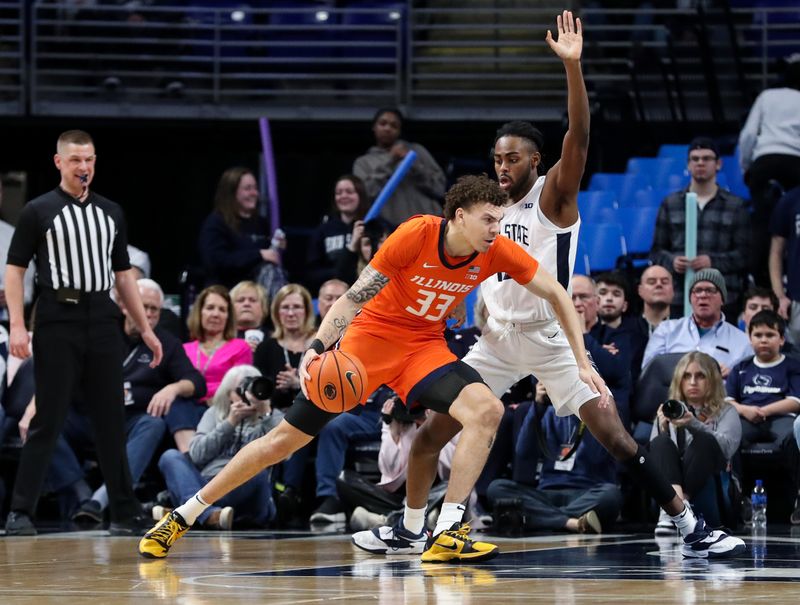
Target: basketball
{"type": "Point", "coordinates": [337, 382]}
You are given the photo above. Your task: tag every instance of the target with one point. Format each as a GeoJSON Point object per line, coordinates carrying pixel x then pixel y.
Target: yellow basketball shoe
{"type": "Point", "coordinates": [454, 544]}
{"type": "Point", "coordinates": [156, 543]}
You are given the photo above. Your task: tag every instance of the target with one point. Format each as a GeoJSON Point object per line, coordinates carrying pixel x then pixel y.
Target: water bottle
{"type": "Point", "coordinates": [759, 501]}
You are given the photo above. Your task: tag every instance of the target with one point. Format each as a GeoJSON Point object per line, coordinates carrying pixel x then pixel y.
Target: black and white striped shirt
{"type": "Point", "coordinates": [75, 244]}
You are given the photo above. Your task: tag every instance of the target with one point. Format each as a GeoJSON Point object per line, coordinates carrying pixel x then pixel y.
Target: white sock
{"type": "Point", "coordinates": [451, 513]}
{"type": "Point", "coordinates": [685, 521]}
{"type": "Point", "coordinates": [414, 519]}
{"type": "Point", "coordinates": [192, 509]}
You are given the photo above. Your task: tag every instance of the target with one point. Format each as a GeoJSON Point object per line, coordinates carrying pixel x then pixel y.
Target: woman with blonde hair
{"type": "Point", "coordinates": [251, 312]}
{"type": "Point", "coordinates": [235, 418]}
{"type": "Point", "coordinates": [696, 432]}
{"type": "Point", "coordinates": [278, 357]}
{"type": "Point", "coordinates": [213, 350]}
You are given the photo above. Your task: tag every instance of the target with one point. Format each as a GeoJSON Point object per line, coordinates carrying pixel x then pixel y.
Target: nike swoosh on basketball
{"type": "Point", "coordinates": [427, 266]}
{"type": "Point", "coordinates": [349, 377]}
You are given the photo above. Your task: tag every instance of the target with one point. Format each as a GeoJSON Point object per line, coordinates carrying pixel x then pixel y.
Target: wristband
{"type": "Point", "coordinates": [317, 346]}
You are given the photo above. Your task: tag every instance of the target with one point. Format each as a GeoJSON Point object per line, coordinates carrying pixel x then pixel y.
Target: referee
{"type": "Point", "coordinates": [79, 244]}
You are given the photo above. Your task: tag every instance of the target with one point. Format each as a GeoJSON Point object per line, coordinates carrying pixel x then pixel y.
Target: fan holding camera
{"type": "Point", "coordinates": [239, 412]}
{"type": "Point", "coordinates": [696, 432]}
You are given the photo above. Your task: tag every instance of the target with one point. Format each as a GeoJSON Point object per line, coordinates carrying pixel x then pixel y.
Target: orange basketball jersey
{"type": "Point", "coordinates": [426, 284]}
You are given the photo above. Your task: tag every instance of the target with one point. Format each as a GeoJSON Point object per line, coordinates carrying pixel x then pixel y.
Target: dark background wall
{"type": "Point", "coordinates": [164, 172]}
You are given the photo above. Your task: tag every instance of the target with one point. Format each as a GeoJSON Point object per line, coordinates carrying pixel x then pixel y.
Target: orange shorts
{"type": "Point", "coordinates": [397, 359]}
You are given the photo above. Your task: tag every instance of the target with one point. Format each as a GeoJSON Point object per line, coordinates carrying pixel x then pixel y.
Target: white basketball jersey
{"type": "Point", "coordinates": [554, 247]}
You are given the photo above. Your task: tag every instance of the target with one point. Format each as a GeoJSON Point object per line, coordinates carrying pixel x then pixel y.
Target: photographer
{"type": "Point", "coordinates": [696, 432]}
{"type": "Point", "coordinates": [240, 412]}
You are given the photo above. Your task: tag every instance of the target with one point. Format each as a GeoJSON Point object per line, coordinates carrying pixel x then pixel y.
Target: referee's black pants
{"type": "Point", "coordinates": [74, 357]}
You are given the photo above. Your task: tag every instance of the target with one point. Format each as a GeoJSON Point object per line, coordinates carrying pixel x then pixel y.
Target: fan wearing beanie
{"type": "Point", "coordinates": [705, 329]}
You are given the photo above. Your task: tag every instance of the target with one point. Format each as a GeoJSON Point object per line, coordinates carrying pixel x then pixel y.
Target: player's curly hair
{"type": "Point", "coordinates": [471, 190]}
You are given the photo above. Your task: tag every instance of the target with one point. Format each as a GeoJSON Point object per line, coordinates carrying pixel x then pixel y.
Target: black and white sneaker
{"type": "Point", "coordinates": [391, 540]}
{"type": "Point", "coordinates": [705, 543]}
{"type": "Point", "coordinates": [330, 511]}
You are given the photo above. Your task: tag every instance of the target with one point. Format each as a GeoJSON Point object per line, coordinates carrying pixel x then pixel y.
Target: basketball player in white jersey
{"type": "Point", "coordinates": [523, 335]}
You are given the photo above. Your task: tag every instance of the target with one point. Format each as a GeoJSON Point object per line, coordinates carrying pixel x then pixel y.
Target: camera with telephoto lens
{"type": "Point", "coordinates": [259, 387]}
{"type": "Point", "coordinates": [674, 409]}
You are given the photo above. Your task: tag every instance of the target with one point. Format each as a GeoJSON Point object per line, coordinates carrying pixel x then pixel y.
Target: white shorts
{"type": "Point", "coordinates": [506, 353]}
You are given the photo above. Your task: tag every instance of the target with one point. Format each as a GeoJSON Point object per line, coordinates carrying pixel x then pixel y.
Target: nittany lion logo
{"type": "Point", "coordinates": [762, 380]}
{"type": "Point", "coordinates": [329, 391]}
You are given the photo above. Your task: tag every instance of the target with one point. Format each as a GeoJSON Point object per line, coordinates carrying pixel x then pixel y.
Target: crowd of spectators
{"type": "Point", "coordinates": [734, 374]}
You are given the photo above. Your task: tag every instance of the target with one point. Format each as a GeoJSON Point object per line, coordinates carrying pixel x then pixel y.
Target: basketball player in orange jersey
{"type": "Point", "coordinates": [419, 275]}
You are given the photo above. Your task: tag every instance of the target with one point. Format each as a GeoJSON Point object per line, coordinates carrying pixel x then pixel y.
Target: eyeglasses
{"type": "Point", "coordinates": [710, 291]}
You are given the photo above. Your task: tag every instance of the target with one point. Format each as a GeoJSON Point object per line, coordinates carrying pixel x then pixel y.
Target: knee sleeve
{"type": "Point", "coordinates": [645, 473]}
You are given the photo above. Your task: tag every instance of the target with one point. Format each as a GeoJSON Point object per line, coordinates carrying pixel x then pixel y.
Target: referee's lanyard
{"type": "Point", "coordinates": [208, 359]}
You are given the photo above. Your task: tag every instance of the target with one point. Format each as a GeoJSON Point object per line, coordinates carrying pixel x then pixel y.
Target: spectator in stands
{"type": "Point", "coordinates": [705, 329]}
{"type": "Point", "coordinates": [371, 503]}
{"type": "Point", "coordinates": [586, 301]}
{"type": "Point", "coordinates": [765, 389]}
{"type": "Point", "coordinates": [234, 240]}
{"type": "Point", "coordinates": [784, 258]}
{"type": "Point", "coordinates": [723, 226]}
{"type": "Point", "coordinates": [362, 423]}
{"type": "Point", "coordinates": [6, 231]}
{"type": "Point", "coordinates": [140, 261]}
{"type": "Point", "coordinates": [656, 291]}
{"type": "Point", "coordinates": [769, 151]}
{"type": "Point", "coordinates": [149, 393]}
{"type": "Point", "coordinates": [234, 419]}
{"type": "Point", "coordinates": [341, 229]}
{"type": "Point", "coordinates": [213, 350]}
{"type": "Point", "coordinates": [250, 312]}
{"type": "Point", "coordinates": [754, 300]}
{"type": "Point", "coordinates": [577, 490]}
{"type": "Point", "coordinates": [616, 328]}
{"type": "Point", "coordinates": [603, 344]}
{"type": "Point", "coordinates": [278, 358]}
{"type": "Point", "coordinates": [422, 189]}
{"type": "Point", "coordinates": [329, 292]}
{"type": "Point", "coordinates": [351, 263]}
{"type": "Point", "coordinates": [690, 449]}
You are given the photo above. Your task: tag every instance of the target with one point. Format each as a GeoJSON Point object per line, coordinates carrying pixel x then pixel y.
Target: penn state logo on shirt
{"type": "Point", "coordinates": [144, 358]}
{"type": "Point", "coordinates": [762, 380]}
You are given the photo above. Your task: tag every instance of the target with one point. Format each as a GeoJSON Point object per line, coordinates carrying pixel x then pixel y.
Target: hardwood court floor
{"type": "Point", "coordinates": [282, 569]}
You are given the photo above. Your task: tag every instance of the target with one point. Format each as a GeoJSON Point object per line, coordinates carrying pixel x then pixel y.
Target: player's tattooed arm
{"type": "Point", "coordinates": [367, 286]}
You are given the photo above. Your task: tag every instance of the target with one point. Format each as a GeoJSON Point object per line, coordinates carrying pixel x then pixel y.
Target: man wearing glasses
{"type": "Point", "coordinates": [723, 227]}
{"type": "Point", "coordinates": [705, 329]}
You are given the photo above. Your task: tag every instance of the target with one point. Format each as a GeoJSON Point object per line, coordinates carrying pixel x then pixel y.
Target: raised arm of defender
{"type": "Point", "coordinates": [545, 286]}
{"type": "Point", "coordinates": [559, 200]}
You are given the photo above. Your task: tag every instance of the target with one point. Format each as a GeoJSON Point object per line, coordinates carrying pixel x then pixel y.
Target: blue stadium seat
{"type": "Point", "coordinates": [643, 165]}
{"type": "Point", "coordinates": [644, 198]}
{"type": "Point", "coordinates": [599, 246]}
{"type": "Point", "coordinates": [597, 206]}
{"type": "Point", "coordinates": [678, 152]}
{"type": "Point", "coordinates": [633, 183]}
{"type": "Point", "coordinates": [730, 166]}
{"type": "Point", "coordinates": [638, 227]}
{"type": "Point", "coordinates": [671, 182]}
{"type": "Point", "coordinates": [606, 181]}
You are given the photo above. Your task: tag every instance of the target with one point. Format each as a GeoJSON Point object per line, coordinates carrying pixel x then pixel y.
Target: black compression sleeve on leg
{"type": "Point", "coordinates": [645, 474]}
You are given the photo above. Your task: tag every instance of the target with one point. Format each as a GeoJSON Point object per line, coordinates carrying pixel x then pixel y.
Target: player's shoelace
{"type": "Point", "coordinates": [167, 533]}
{"type": "Point", "coordinates": [462, 533]}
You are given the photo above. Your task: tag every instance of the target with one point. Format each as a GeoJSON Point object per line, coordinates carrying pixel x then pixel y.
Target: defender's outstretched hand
{"type": "Point", "coordinates": [570, 38]}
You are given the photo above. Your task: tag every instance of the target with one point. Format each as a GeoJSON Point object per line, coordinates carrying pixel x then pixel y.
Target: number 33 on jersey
{"type": "Point", "coordinates": [426, 284]}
